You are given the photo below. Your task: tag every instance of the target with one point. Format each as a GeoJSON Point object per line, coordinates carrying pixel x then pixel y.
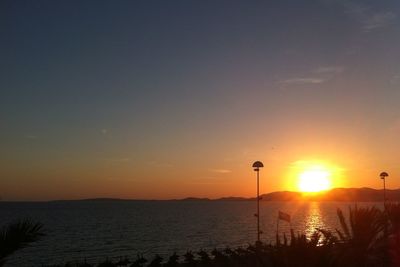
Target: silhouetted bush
{"type": "Point", "coordinates": [18, 235]}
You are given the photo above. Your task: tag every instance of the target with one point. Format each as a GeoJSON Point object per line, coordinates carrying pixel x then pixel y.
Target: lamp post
{"type": "Point", "coordinates": [257, 165]}
{"type": "Point", "coordinates": [383, 176]}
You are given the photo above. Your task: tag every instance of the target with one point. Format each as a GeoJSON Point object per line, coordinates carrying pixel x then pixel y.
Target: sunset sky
{"type": "Point", "coordinates": [169, 99]}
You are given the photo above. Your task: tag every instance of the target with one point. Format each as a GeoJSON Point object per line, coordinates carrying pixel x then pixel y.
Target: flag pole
{"type": "Point", "coordinates": [282, 216]}
{"type": "Point", "coordinates": [277, 226]}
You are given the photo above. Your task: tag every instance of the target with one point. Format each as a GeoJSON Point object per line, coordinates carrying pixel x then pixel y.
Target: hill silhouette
{"type": "Point", "coordinates": [364, 194]}
{"type": "Point", "coordinates": [337, 194]}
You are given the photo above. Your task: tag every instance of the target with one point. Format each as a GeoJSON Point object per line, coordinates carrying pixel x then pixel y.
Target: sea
{"type": "Point", "coordinates": [96, 230]}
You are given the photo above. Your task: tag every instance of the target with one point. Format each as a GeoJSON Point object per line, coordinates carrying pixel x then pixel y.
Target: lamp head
{"type": "Point", "coordinates": [257, 165]}
{"type": "Point", "coordinates": [383, 175]}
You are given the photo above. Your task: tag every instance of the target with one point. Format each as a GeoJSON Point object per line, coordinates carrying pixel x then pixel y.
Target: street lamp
{"type": "Point", "coordinates": [257, 165]}
{"type": "Point", "coordinates": [383, 175]}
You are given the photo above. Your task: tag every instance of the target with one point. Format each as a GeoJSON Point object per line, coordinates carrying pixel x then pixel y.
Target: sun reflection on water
{"type": "Point", "coordinates": [314, 219]}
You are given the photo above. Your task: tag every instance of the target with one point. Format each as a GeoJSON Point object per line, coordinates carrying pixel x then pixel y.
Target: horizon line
{"type": "Point", "coordinates": [192, 197]}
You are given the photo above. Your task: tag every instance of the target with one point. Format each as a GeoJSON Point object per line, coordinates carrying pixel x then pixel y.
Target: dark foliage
{"type": "Point", "coordinates": [18, 235]}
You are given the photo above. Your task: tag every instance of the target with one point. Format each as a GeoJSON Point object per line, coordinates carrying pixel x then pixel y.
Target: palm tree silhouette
{"type": "Point", "coordinates": [393, 217]}
{"type": "Point", "coordinates": [361, 240]}
{"type": "Point", "coordinates": [18, 235]}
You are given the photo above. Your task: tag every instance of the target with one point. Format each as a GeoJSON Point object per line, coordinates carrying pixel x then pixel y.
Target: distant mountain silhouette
{"type": "Point", "coordinates": [194, 199]}
{"type": "Point", "coordinates": [281, 196]}
{"type": "Point", "coordinates": [337, 194]}
{"type": "Point", "coordinates": [359, 194]}
{"type": "Point", "coordinates": [364, 194]}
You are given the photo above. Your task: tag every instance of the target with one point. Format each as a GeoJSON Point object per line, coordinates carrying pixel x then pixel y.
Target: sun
{"type": "Point", "coordinates": [315, 175]}
{"type": "Point", "coordinates": [314, 179]}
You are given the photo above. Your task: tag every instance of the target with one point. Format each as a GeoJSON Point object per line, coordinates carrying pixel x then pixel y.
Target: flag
{"type": "Point", "coordinates": [284, 216]}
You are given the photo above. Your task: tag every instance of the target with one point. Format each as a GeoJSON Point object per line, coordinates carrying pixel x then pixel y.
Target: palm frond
{"type": "Point", "coordinates": [346, 233]}
{"type": "Point", "coordinates": [18, 235]}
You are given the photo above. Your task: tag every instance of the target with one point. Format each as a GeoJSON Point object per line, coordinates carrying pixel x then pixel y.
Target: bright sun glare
{"type": "Point", "coordinates": [314, 179]}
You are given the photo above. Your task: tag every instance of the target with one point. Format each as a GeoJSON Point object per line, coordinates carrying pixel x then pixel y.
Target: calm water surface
{"type": "Point", "coordinates": [95, 230]}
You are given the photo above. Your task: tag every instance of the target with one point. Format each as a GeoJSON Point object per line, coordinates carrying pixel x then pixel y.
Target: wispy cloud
{"type": "Point", "coordinates": [368, 18]}
{"type": "Point", "coordinates": [118, 178]}
{"type": "Point", "coordinates": [223, 171]}
{"type": "Point", "coordinates": [207, 180]}
{"type": "Point", "coordinates": [301, 81]}
{"type": "Point", "coordinates": [104, 131]}
{"type": "Point", "coordinates": [158, 164]}
{"type": "Point", "coordinates": [378, 20]}
{"type": "Point", "coordinates": [318, 75]}
{"type": "Point", "coordinates": [395, 79]}
{"type": "Point", "coordinates": [118, 160]}
{"type": "Point", "coordinates": [329, 70]}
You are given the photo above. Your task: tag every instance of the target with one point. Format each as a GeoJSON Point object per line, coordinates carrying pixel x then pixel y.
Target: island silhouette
{"type": "Point", "coordinates": [364, 194]}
